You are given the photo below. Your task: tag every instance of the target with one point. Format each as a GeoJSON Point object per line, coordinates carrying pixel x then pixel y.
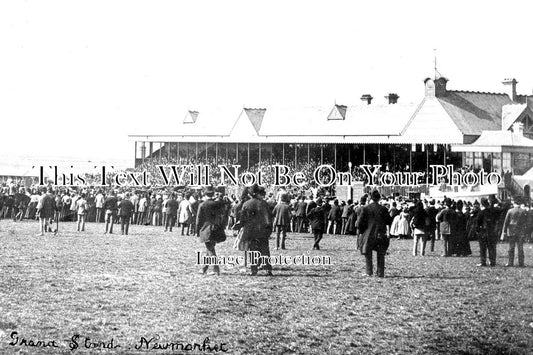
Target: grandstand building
{"type": "Point", "coordinates": [493, 131]}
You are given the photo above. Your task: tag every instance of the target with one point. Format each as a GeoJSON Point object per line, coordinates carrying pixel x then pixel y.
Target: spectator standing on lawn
{"type": "Point", "coordinates": [514, 229]}
{"type": "Point", "coordinates": [462, 246]}
{"type": "Point", "coordinates": [301, 207]}
{"type": "Point", "coordinates": [143, 208]}
{"type": "Point", "coordinates": [257, 225]}
{"type": "Point", "coordinates": [431, 223]}
{"type": "Point", "coordinates": [110, 207]}
{"type": "Point", "coordinates": [81, 209]}
{"type": "Point", "coordinates": [172, 211]}
{"type": "Point", "coordinates": [487, 233]}
{"type": "Point", "coordinates": [282, 221]}
{"type": "Point", "coordinates": [373, 223]}
{"type": "Point", "coordinates": [125, 211]}
{"type": "Point", "coordinates": [446, 219]}
{"type": "Point", "coordinates": [185, 214]}
{"type": "Point", "coordinates": [418, 225]}
{"type": "Point", "coordinates": [316, 218]}
{"type": "Point", "coordinates": [209, 228]}
{"type": "Point", "coordinates": [45, 210]}
{"type": "Point", "coordinates": [99, 201]}
{"type": "Point", "coordinates": [334, 217]}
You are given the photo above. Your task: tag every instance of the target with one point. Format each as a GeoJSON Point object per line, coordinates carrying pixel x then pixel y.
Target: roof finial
{"type": "Point", "coordinates": [437, 74]}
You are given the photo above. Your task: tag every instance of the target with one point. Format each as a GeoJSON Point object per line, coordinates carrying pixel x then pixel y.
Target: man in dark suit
{"type": "Point", "coordinates": [209, 226]}
{"type": "Point", "coordinates": [431, 224]}
{"type": "Point", "coordinates": [171, 211]}
{"type": "Point", "coordinates": [447, 219]}
{"type": "Point", "coordinates": [282, 220]}
{"type": "Point", "coordinates": [257, 224]}
{"type": "Point", "coordinates": [514, 228]}
{"type": "Point", "coordinates": [301, 207]}
{"type": "Point", "coordinates": [316, 219]}
{"type": "Point", "coordinates": [488, 236]}
{"type": "Point", "coordinates": [372, 224]}
{"type": "Point", "coordinates": [110, 207]}
{"type": "Point", "coordinates": [125, 211]}
{"type": "Point", "coordinates": [46, 209]}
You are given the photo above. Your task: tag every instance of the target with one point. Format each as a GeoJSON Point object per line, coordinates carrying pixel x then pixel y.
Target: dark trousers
{"type": "Point", "coordinates": [301, 221]}
{"type": "Point", "coordinates": [124, 224]}
{"type": "Point", "coordinates": [98, 214]}
{"type": "Point", "coordinates": [170, 221]}
{"type": "Point", "coordinates": [260, 245]}
{"type": "Point", "coordinates": [519, 242]}
{"type": "Point", "coordinates": [317, 233]}
{"type": "Point", "coordinates": [281, 231]}
{"type": "Point", "coordinates": [487, 243]}
{"type": "Point", "coordinates": [446, 238]}
{"type": "Point", "coordinates": [210, 251]}
{"type": "Point", "coordinates": [381, 264]}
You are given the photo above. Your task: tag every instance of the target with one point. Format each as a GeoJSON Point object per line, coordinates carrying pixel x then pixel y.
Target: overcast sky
{"type": "Point", "coordinates": [76, 77]}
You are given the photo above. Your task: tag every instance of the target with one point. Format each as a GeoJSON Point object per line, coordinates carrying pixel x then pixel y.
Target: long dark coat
{"type": "Point", "coordinates": [372, 224]}
{"type": "Point", "coordinates": [317, 218]}
{"type": "Point", "coordinates": [256, 220]}
{"type": "Point", "coordinates": [209, 221]}
{"type": "Point", "coordinates": [282, 214]}
{"type": "Point", "coordinates": [46, 206]}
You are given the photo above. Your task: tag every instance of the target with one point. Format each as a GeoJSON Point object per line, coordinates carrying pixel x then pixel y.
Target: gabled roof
{"type": "Point", "coordinates": [256, 117]}
{"type": "Point", "coordinates": [502, 138]}
{"type": "Point", "coordinates": [190, 117]}
{"type": "Point", "coordinates": [474, 112]}
{"type": "Point", "coordinates": [338, 112]}
{"type": "Point", "coordinates": [510, 113]}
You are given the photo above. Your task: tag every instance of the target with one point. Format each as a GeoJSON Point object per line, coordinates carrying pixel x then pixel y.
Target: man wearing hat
{"type": "Point", "coordinates": [257, 226]}
{"type": "Point", "coordinates": [372, 225]}
{"type": "Point", "coordinates": [488, 238]}
{"type": "Point", "coordinates": [513, 228]}
{"type": "Point", "coordinates": [316, 219]}
{"type": "Point", "coordinates": [46, 208]}
{"type": "Point", "coordinates": [447, 219]}
{"type": "Point", "coordinates": [209, 228]}
{"type": "Point", "coordinates": [125, 212]}
{"type": "Point", "coordinates": [110, 207]}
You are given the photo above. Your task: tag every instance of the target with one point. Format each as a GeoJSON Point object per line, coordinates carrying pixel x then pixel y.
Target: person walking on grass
{"type": "Point", "coordinates": [316, 218]}
{"type": "Point", "coordinates": [373, 224]}
{"type": "Point", "coordinates": [257, 227]}
{"type": "Point", "coordinates": [209, 228]}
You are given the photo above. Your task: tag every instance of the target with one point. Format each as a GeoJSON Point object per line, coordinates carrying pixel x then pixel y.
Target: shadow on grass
{"type": "Point", "coordinates": [436, 277]}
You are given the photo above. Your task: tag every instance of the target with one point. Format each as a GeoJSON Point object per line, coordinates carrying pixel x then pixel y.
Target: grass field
{"type": "Point", "coordinates": [146, 285]}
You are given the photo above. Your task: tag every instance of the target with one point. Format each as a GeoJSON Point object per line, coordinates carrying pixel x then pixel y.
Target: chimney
{"type": "Point", "coordinates": [518, 129]}
{"type": "Point", "coordinates": [435, 88]}
{"type": "Point", "coordinates": [367, 98]}
{"type": "Point", "coordinates": [510, 88]}
{"type": "Point", "coordinates": [393, 98]}
{"type": "Point", "coordinates": [440, 86]}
